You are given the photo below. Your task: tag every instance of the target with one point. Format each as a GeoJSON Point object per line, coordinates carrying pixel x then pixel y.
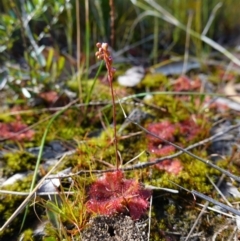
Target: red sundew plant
{"type": "Point", "coordinates": [167, 131]}
{"type": "Point", "coordinates": [15, 131]}
{"type": "Point", "coordinates": [189, 129]}
{"type": "Point", "coordinates": [160, 149]}
{"type": "Point", "coordinates": [183, 83]}
{"type": "Point", "coordinates": [164, 129]}
{"type": "Point", "coordinates": [112, 194]}
{"type": "Point", "coordinates": [171, 166]}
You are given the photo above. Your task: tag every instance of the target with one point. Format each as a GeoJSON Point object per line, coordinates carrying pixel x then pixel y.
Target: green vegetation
{"type": "Point", "coordinates": [54, 89]}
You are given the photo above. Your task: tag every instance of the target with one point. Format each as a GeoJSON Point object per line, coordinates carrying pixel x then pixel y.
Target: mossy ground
{"type": "Point", "coordinates": [89, 130]}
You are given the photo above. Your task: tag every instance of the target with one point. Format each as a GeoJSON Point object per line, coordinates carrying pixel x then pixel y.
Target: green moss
{"type": "Point", "coordinates": [8, 205]}
{"type": "Point", "coordinates": [28, 235]}
{"type": "Point", "coordinates": [155, 81]}
{"type": "Point", "coordinates": [5, 117]}
{"type": "Point", "coordinates": [171, 210]}
{"type": "Point", "coordinates": [19, 161]}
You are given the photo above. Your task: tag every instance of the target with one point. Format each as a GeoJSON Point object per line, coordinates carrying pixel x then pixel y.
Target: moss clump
{"type": "Point", "coordinates": [27, 235]}
{"type": "Point", "coordinates": [155, 81]}
{"type": "Point", "coordinates": [19, 161]}
{"type": "Point", "coordinates": [98, 150]}
{"type": "Point", "coordinates": [193, 176]}
{"type": "Point", "coordinates": [8, 205]}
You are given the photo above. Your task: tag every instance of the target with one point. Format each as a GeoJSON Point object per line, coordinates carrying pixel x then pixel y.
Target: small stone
{"type": "Point", "coordinates": [132, 76]}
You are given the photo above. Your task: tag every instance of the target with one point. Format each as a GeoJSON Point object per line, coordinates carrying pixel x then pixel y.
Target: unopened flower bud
{"type": "Point", "coordinates": [98, 45]}
{"type": "Point", "coordinates": [105, 46]}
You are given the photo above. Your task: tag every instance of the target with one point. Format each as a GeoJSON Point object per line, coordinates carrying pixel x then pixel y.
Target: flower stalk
{"type": "Point", "coordinates": [104, 54]}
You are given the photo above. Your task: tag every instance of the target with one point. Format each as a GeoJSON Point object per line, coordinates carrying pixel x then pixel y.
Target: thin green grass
{"type": "Point", "coordinates": [87, 37]}
{"type": "Point", "coordinates": [156, 10]}
{"type": "Point", "coordinates": [89, 93]}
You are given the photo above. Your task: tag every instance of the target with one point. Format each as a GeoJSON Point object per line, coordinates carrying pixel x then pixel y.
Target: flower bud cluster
{"type": "Point", "coordinates": [104, 54]}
